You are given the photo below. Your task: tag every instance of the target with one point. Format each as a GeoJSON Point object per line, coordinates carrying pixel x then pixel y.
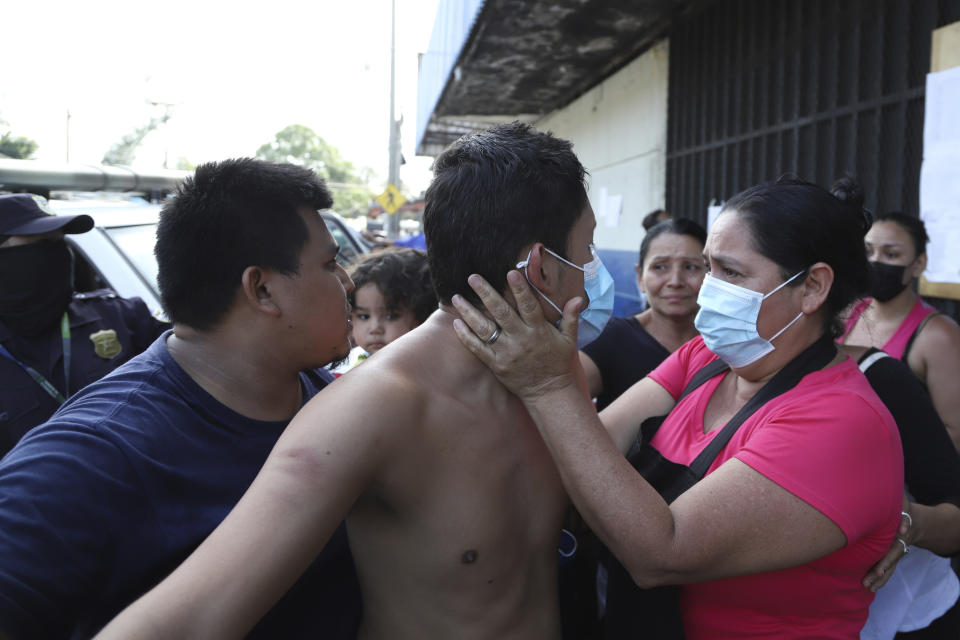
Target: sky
{"type": "Point", "coordinates": [235, 72]}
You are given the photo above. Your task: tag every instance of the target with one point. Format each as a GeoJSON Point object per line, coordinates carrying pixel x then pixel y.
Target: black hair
{"type": "Point", "coordinates": [492, 193]}
{"type": "Point", "coordinates": [913, 226]}
{"type": "Point", "coordinates": [676, 226]}
{"type": "Point", "coordinates": [796, 223]}
{"type": "Point", "coordinates": [228, 216]}
{"type": "Point", "coordinates": [403, 278]}
{"type": "Point", "coordinates": [652, 219]}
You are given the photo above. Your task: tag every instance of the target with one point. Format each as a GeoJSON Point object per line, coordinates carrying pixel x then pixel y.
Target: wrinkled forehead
{"type": "Point", "coordinates": [675, 245]}
{"type": "Point", "coordinates": [730, 229]}
{"type": "Point", "coordinates": [731, 239]}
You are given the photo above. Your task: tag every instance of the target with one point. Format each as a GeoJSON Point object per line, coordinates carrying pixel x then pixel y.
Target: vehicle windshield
{"type": "Point", "coordinates": [348, 248]}
{"type": "Point", "coordinates": [136, 244]}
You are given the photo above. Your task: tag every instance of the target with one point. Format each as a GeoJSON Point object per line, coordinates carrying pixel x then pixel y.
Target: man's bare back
{"type": "Point", "coordinates": [457, 534]}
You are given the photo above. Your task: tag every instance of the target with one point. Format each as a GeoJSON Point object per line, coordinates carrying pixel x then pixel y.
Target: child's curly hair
{"type": "Point", "coordinates": [403, 278]}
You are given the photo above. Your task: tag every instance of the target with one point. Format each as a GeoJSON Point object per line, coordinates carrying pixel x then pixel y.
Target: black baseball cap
{"type": "Point", "coordinates": [25, 214]}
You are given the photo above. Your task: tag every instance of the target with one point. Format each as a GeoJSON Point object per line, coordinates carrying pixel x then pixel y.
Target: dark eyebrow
{"type": "Point", "coordinates": [724, 261]}
{"type": "Point", "coordinates": [685, 256]}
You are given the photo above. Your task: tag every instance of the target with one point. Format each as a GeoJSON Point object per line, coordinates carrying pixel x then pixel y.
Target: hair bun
{"type": "Point", "coordinates": [849, 191]}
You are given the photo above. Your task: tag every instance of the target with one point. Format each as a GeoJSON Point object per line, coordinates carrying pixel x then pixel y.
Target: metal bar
{"type": "Point", "coordinates": [811, 45]}
{"type": "Point", "coordinates": [722, 65]}
{"type": "Point", "coordinates": [826, 162]}
{"type": "Point", "coordinates": [63, 177]}
{"type": "Point", "coordinates": [853, 109]}
{"type": "Point", "coordinates": [893, 152]}
{"type": "Point", "coordinates": [797, 72]}
{"type": "Point", "coordinates": [833, 61]}
{"type": "Point", "coordinates": [911, 181]}
{"type": "Point", "coordinates": [761, 86]}
{"type": "Point", "coordinates": [779, 85]}
{"type": "Point", "coordinates": [690, 98]}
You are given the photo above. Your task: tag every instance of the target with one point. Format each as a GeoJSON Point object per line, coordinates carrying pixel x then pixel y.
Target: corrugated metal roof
{"type": "Point", "coordinates": [519, 59]}
{"type": "Point", "coordinates": [451, 29]}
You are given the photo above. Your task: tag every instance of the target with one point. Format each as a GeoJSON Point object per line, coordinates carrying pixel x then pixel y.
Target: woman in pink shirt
{"type": "Point", "coordinates": [920, 600]}
{"type": "Point", "coordinates": [801, 500]}
{"type": "Point", "coordinates": [896, 320]}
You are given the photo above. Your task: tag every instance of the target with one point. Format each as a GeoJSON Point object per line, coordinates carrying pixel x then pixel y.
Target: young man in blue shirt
{"type": "Point", "coordinates": [133, 472]}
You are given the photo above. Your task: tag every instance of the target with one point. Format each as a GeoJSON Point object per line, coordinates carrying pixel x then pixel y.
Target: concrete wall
{"type": "Point", "coordinates": [619, 131]}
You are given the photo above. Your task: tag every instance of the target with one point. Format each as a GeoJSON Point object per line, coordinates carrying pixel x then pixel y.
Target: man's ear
{"type": "Point", "coordinates": [542, 272]}
{"type": "Point", "coordinates": [257, 288]}
{"type": "Point", "coordinates": [816, 287]}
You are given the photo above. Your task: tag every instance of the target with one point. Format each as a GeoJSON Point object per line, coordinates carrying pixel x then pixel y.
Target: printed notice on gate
{"type": "Point", "coordinates": [940, 176]}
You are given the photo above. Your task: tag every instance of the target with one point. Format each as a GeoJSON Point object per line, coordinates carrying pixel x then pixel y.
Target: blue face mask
{"type": "Point", "coordinates": [598, 283]}
{"type": "Point", "coordinates": [727, 320]}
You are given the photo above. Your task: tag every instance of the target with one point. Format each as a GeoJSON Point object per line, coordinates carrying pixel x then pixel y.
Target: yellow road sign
{"type": "Point", "coordinates": [391, 199]}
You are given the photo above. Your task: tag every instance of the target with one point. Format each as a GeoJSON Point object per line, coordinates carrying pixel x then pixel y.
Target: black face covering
{"type": "Point", "coordinates": [886, 280]}
{"type": "Point", "coordinates": [36, 285]}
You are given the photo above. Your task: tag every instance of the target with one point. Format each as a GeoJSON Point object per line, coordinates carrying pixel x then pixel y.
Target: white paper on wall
{"type": "Point", "coordinates": [940, 176]}
{"type": "Point", "coordinates": [713, 210]}
{"type": "Point", "coordinates": [614, 206]}
{"type": "Point", "coordinates": [607, 208]}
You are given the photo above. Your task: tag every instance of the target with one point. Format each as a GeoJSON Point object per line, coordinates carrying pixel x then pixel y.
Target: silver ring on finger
{"type": "Point", "coordinates": [493, 338]}
{"type": "Point", "coordinates": [906, 549]}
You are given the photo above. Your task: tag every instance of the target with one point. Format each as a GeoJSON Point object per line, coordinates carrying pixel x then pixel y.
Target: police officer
{"type": "Point", "coordinates": [53, 341]}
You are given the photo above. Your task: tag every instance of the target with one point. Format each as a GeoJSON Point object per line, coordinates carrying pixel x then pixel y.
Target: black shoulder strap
{"type": "Point", "coordinates": [813, 358]}
{"type": "Point", "coordinates": [869, 357]}
{"type": "Point", "coordinates": [916, 332]}
{"type": "Point", "coordinates": [650, 426]}
{"type": "Point", "coordinates": [708, 371]}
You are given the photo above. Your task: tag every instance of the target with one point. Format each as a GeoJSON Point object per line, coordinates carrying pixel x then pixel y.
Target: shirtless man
{"type": "Point", "coordinates": [453, 505]}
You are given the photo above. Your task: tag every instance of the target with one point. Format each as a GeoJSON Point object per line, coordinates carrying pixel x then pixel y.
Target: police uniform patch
{"type": "Point", "coordinates": [105, 344]}
{"type": "Point", "coordinates": [42, 205]}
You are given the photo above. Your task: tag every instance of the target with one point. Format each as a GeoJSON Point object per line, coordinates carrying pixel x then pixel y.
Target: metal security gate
{"type": "Point", "coordinates": [759, 88]}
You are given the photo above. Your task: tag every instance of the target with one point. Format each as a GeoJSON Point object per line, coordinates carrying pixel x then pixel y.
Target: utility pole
{"type": "Point", "coordinates": [167, 108]}
{"type": "Point", "coordinates": [68, 136]}
{"type": "Point", "coordinates": [393, 220]}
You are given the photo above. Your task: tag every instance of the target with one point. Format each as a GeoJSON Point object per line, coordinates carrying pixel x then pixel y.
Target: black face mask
{"type": "Point", "coordinates": [886, 280]}
{"type": "Point", "coordinates": [36, 285]}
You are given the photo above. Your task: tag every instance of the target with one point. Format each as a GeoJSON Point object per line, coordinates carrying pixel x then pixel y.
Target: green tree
{"type": "Point", "coordinates": [301, 145]}
{"type": "Point", "coordinates": [123, 152]}
{"type": "Point", "coordinates": [16, 147]}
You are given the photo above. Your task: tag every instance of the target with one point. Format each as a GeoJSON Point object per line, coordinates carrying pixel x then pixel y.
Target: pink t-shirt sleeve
{"type": "Point", "coordinates": [678, 369]}
{"type": "Point", "coordinates": [813, 449]}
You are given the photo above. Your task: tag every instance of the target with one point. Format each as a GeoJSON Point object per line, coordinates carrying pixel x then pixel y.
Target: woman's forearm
{"type": "Point", "coordinates": [936, 528]}
{"type": "Point", "coordinates": [625, 512]}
